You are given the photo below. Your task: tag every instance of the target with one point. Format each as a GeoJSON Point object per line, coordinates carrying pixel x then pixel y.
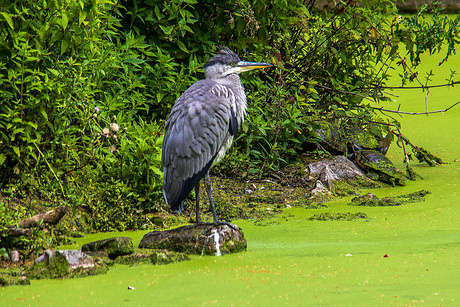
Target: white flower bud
{"type": "Point", "coordinates": [114, 127]}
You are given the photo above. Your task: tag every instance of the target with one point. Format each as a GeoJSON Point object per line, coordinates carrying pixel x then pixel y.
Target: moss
{"type": "Point", "coordinates": [416, 196]}
{"type": "Point", "coordinates": [370, 200]}
{"type": "Point", "coordinates": [113, 247]}
{"type": "Point", "coordinates": [227, 211]}
{"type": "Point", "coordinates": [314, 205]}
{"type": "Point", "coordinates": [364, 139]}
{"type": "Point", "coordinates": [55, 267]}
{"type": "Point", "coordinates": [232, 246]}
{"type": "Point", "coordinates": [265, 221]}
{"type": "Point", "coordinates": [193, 239]}
{"type": "Point", "coordinates": [344, 188]}
{"type": "Point", "coordinates": [13, 277]}
{"type": "Point", "coordinates": [338, 216]}
{"type": "Point", "coordinates": [152, 256]}
{"type": "Point", "coordinates": [100, 267]}
{"type": "Point", "coordinates": [423, 155]}
{"type": "Point", "coordinates": [267, 198]}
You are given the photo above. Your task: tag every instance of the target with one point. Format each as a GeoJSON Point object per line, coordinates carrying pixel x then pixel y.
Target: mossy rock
{"type": "Point", "coordinates": [201, 239]}
{"type": "Point", "coordinates": [266, 221]}
{"type": "Point", "coordinates": [13, 277]}
{"type": "Point", "coordinates": [156, 257]}
{"type": "Point", "coordinates": [64, 264]}
{"type": "Point", "coordinates": [53, 267]}
{"type": "Point", "coordinates": [338, 216]}
{"type": "Point", "coordinates": [415, 197]}
{"type": "Point", "coordinates": [266, 198]}
{"type": "Point", "coordinates": [370, 200]}
{"type": "Point", "coordinates": [112, 247]}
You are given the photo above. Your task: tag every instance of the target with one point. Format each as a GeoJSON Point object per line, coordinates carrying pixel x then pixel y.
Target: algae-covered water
{"type": "Point", "coordinates": [405, 255]}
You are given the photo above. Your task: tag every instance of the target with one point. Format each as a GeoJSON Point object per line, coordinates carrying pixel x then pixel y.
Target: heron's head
{"type": "Point", "coordinates": [227, 62]}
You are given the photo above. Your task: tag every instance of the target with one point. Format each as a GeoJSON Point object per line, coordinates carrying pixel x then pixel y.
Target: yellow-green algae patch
{"type": "Point", "coordinates": [401, 255]}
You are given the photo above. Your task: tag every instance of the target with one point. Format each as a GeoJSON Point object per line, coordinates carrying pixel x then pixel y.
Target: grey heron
{"type": "Point", "coordinates": [201, 127]}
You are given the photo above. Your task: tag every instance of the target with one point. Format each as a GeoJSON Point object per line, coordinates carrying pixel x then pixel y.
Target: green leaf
{"type": "Point", "coordinates": [16, 150]}
{"type": "Point", "coordinates": [167, 30]}
{"type": "Point", "coordinates": [45, 115]}
{"type": "Point", "coordinates": [34, 125]}
{"type": "Point", "coordinates": [64, 45]}
{"type": "Point", "coordinates": [8, 19]}
{"type": "Point", "coordinates": [82, 16]}
{"type": "Point", "coordinates": [2, 159]}
{"type": "Point", "coordinates": [182, 46]}
{"type": "Point", "coordinates": [160, 96]}
{"type": "Point", "coordinates": [64, 21]}
{"type": "Point", "coordinates": [53, 71]}
{"type": "Point", "coordinates": [157, 12]}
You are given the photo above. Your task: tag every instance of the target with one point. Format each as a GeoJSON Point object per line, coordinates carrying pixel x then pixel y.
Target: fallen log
{"type": "Point", "coordinates": [51, 217]}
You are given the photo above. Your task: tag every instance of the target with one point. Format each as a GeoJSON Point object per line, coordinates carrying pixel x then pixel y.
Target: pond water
{"type": "Point", "coordinates": [406, 255]}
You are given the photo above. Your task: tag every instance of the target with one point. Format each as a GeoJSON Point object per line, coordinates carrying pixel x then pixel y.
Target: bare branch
{"type": "Point", "coordinates": [419, 87]}
{"type": "Point", "coordinates": [416, 113]}
{"type": "Point", "coordinates": [388, 110]}
{"type": "Point", "coordinates": [344, 92]}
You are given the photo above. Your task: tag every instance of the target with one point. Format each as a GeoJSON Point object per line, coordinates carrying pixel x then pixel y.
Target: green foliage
{"type": "Point", "coordinates": [59, 61]}
{"type": "Point", "coordinates": [332, 65]}
{"type": "Point", "coordinates": [32, 243]}
{"type": "Point", "coordinates": [421, 33]}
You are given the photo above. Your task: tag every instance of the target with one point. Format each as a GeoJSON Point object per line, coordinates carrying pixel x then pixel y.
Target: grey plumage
{"type": "Point", "coordinates": [201, 127]}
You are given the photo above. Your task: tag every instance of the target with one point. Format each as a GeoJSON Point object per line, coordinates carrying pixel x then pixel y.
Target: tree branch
{"type": "Point", "coordinates": [388, 110]}
{"type": "Point", "coordinates": [418, 87]}
{"type": "Point", "coordinates": [415, 113]}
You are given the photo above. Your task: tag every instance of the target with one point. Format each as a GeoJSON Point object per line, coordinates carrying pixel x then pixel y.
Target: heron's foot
{"type": "Point", "coordinates": [233, 226]}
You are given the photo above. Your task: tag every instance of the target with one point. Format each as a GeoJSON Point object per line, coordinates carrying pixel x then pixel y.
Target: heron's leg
{"type": "Point", "coordinates": [213, 207]}
{"type": "Point", "coordinates": [211, 201]}
{"type": "Point", "coordinates": [197, 195]}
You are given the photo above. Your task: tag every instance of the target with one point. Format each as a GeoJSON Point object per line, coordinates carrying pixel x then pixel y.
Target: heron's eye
{"type": "Point", "coordinates": [233, 64]}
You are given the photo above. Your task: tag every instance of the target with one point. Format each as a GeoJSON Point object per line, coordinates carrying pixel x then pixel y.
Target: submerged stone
{"type": "Point", "coordinates": [65, 264]}
{"type": "Point", "coordinates": [157, 256]}
{"type": "Point", "coordinates": [112, 247]}
{"type": "Point", "coordinates": [330, 170]}
{"type": "Point", "coordinates": [370, 200]}
{"type": "Point", "coordinates": [202, 239]}
{"type": "Point", "coordinates": [13, 278]}
{"type": "Point", "coordinates": [338, 216]}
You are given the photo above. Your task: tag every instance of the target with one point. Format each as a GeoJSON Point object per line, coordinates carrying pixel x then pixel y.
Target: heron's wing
{"type": "Point", "coordinates": [199, 125]}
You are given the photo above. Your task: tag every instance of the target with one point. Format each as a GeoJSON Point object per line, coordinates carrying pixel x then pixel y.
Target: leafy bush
{"type": "Point", "coordinates": [59, 61]}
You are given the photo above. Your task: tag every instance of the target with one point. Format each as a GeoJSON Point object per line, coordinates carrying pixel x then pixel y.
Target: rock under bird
{"type": "Point", "coordinates": [201, 127]}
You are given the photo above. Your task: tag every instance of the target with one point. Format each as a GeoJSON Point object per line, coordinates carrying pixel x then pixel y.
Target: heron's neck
{"type": "Point", "coordinates": [234, 83]}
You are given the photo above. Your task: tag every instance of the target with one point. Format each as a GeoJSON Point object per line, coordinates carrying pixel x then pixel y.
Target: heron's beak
{"type": "Point", "coordinates": [247, 66]}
